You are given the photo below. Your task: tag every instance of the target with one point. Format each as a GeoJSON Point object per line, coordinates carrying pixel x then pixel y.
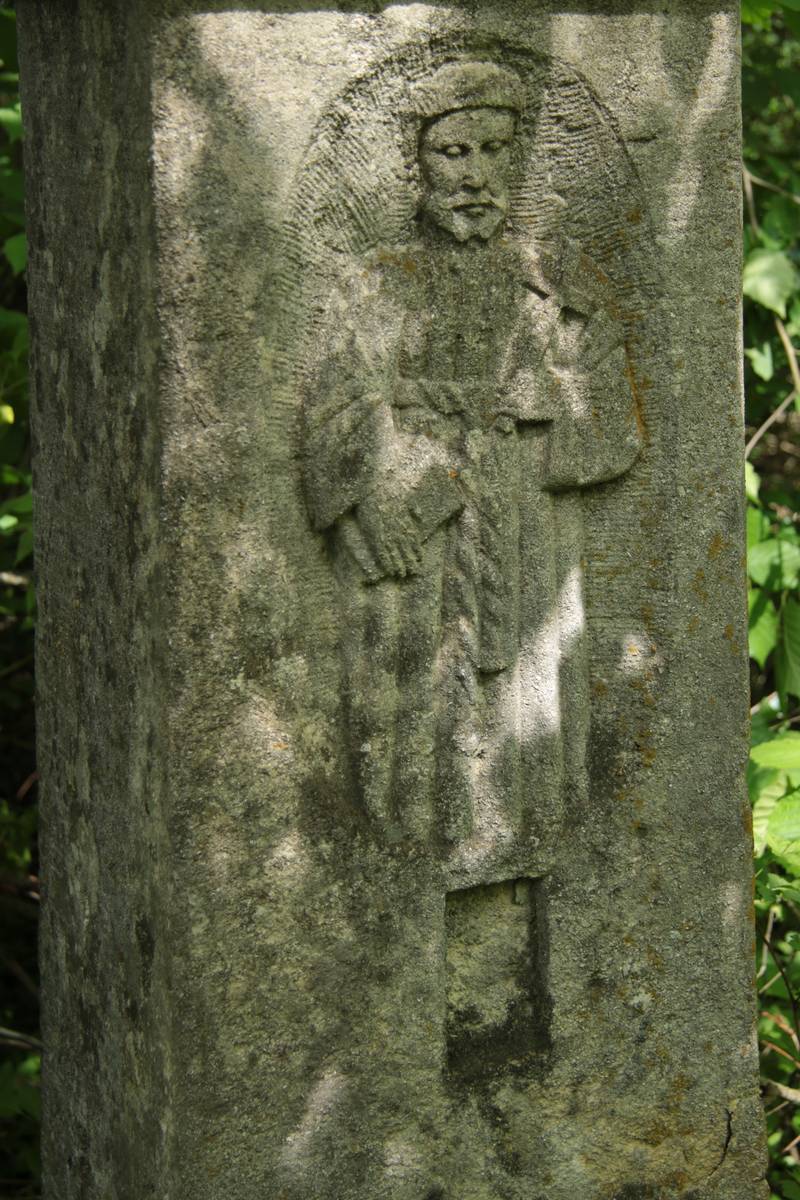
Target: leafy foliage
{"type": "Point", "coordinates": [771, 284]}
{"type": "Point", "coordinates": [19, 1061]}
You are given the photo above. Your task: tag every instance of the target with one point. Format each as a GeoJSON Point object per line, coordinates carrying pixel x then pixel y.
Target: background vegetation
{"type": "Point", "coordinates": [771, 181]}
{"type": "Point", "coordinates": [19, 891]}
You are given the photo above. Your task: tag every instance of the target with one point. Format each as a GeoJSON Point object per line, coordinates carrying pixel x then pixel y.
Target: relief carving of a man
{"type": "Point", "coordinates": [464, 389]}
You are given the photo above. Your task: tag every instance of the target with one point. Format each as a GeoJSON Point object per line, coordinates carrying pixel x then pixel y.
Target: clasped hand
{"type": "Point", "coordinates": [392, 534]}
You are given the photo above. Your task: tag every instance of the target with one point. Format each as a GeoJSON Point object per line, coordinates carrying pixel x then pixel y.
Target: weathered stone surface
{"type": "Point", "coordinates": [393, 702]}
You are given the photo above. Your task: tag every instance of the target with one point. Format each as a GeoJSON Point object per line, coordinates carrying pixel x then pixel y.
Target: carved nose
{"type": "Point", "coordinates": [475, 177]}
{"type": "Point", "coordinates": [475, 173]}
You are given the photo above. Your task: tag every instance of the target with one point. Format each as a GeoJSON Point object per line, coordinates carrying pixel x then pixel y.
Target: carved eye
{"type": "Point", "coordinates": [454, 151]}
{"type": "Point", "coordinates": [495, 147]}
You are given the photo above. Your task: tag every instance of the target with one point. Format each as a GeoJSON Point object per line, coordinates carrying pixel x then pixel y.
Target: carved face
{"type": "Point", "coordinates": [465, 161]}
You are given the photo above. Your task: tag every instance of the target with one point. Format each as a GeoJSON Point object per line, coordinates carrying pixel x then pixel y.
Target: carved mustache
{"type": "Point", "coordinates": [481, 201]}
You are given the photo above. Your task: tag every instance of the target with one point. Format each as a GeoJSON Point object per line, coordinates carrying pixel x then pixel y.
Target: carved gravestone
{"type": "Point", "coordinates": [393, 668]}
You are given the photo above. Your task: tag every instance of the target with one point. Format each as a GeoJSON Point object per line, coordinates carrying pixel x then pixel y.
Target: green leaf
{"type": "Point", "coordinates": [24, 547]}
{"type": "Point", "coordinates": [793, 320]}
{"type": "Point", "coordinates": [768, 796]}
{"type": "Point", "coordinates": [784, 822]}
{"type": "Point", "coordinates": [762, 625]}
{"type": "Point", "coordinates": [18, 504]}
{"type": "Point", "coordinates": [781, 752]}
{"type": "Point", "coordinates": [757, 525]}
{"type": "Point", "coordinates": [11, 122]}
{"type": "Point", "coordinates": [751, 482]}
{"type": "Point", "coordinates": [8, 522]}
{"type": "Point", "coordinates": [783, 886]}
{"type": "Point", "coordinates": [782, 217]}
{"type": "Point", "coordinates": [761, 361]}
{"type": "Point", "coordinates": [790, 646]}
{"type": "Point", "coordinates": [11, 320]}
{"type": "Point", "coordinates": [757, 13]}
{"type": "Point", "coordinates": [16, 251]}
{"type": "Point", "coordinates": [774, 564]}
{"type": "Point", "coordinates": [764, 892]}
{"type": "Point", "coordinates": [770, 278]}
{"type": "Point", "coordinates": [761, 720]}
{"type": "Point", "coordinates": [13, 476]}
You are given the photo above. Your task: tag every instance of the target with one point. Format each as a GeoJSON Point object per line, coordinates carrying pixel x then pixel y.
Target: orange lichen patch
{"type": "Point", "coordinates": [638, 387]}
{"type": "Point", "coordinates": [678, 1089]}
{"type": "Point", "coordinates": [634, 216]}
{"type": "Point", "coordinates": [698, 584]}
{"type": "Point", "coordinates": [611, 572]}
{"type": "Point", "coordinates": [595, 269]}
{"type": "Point", "coordinates": [693, 625]}
{"type": "Point", "coordinates": [280, 745]}
{"type": "Point", "coordinates": [718, 544]}
{"type": "Point", "coordinates": [728, 634]}
{"type": "Point", "coordinates": [657, 1132]}
{"type": "Point", "coordinates": [386, 258]}
{"type": "Point", "coordinates": [654, 958]}
{"type": "Point", "coordinates": [642, 686]}
{"type": "Point", "coordinates": [599, 688]}
{"type": "Point", "coordinates": [453, 473]}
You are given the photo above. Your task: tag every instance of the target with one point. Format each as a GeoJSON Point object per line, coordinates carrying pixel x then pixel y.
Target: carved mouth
{"type": "Point", "coordinates": [475, 210]}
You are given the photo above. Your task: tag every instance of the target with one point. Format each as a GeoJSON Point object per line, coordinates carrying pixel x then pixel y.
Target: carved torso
{"type": "Point", "coordinates": [461, 387]}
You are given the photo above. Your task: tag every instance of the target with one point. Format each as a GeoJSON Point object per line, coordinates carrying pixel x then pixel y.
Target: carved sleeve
{"type": "Point", "coordinates": [596, 434]}
{"type": "Point", "coordinates": [346, 412]}
{"type": "Point", "coordinates": [357, 462]}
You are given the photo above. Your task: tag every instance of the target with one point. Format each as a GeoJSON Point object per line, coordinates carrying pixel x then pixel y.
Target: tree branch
{"type": "Point", "coordinates": [770, 421]}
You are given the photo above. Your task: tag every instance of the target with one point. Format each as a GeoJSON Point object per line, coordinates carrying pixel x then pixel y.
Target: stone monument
{"type": "Point", "coordinates": [392, 685]}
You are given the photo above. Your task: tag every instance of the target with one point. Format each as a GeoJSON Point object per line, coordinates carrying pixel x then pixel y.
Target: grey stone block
{"type": "Point", "coordinates": [393, 675]}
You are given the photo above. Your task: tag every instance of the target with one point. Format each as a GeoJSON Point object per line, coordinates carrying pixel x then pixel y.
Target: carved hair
{"type": "Point", "coordinates": [460, 85]}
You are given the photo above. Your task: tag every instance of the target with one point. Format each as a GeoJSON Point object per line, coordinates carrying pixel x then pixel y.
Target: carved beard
{"type": "Point", "coordinates": [466, 217]}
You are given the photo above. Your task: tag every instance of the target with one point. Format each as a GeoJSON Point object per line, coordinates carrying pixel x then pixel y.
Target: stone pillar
{"type": "Point", "coordinates": [392, 657]}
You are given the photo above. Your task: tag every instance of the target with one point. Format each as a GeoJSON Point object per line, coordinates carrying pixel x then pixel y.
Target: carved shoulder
{"type": "Point", "coordinates": [561, 269]}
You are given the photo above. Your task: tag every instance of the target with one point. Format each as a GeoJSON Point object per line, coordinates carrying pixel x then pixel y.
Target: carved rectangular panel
{"type": "Point", "coordinates": [498, 1009]}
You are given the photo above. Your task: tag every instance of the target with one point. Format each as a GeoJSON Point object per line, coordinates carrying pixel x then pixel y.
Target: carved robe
{"type": "Point", "coordinates": [467, 391]}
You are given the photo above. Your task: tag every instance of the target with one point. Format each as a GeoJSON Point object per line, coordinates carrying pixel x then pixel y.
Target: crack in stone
{"type": "Point", "coordinates": [728, 1140]}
